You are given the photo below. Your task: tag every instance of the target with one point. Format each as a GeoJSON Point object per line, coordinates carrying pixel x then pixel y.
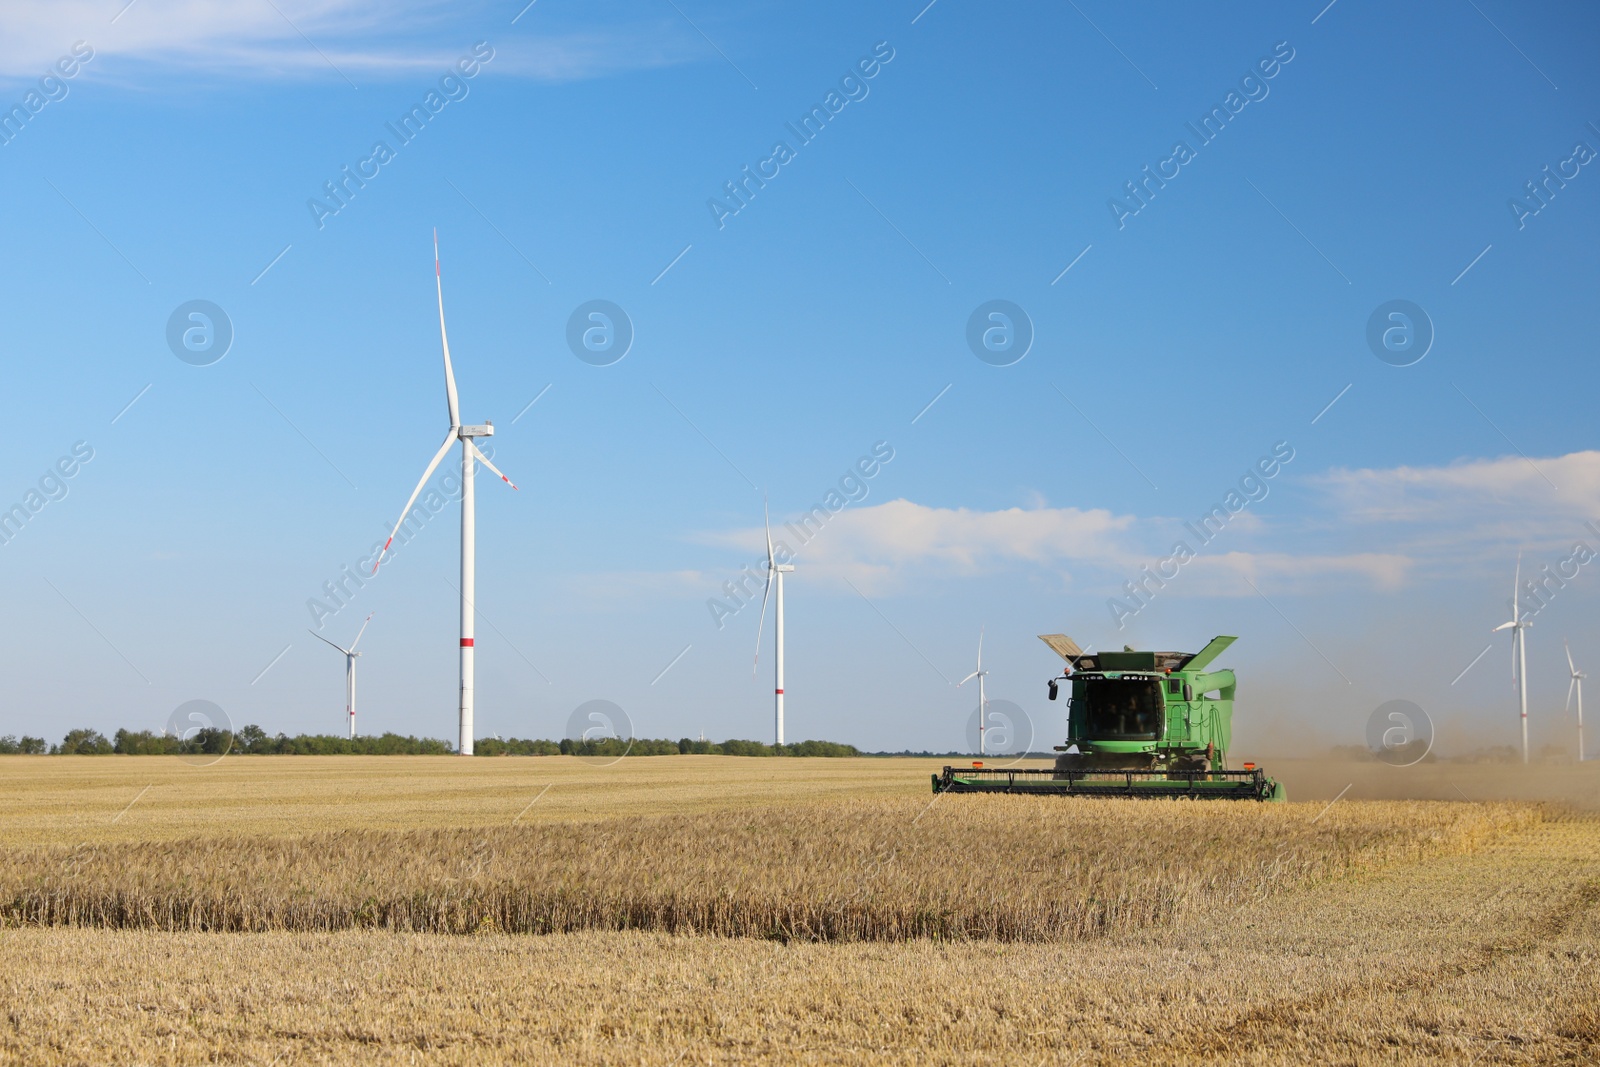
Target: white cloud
{"type": "Point", "coordinates": [1470, 511]}
{"type": "Point", "coordinates": [873, 546]}
{"type": "Point", "coordinates": [966, 541]}
{"type": "Point", "coordinates": [1510, 487]}
{"type": "Point", "coordinates": [1373, 528]}
{"type": "Point", "coordinates": [320, 38]}
{"type": "Point", "coordinates": [1224, 574]}
{"type": "Point", "coordinates": [885, 546]}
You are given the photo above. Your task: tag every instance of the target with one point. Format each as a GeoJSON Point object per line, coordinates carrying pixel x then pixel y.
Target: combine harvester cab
{"type": "Point", "coordinates": [1140, 724]}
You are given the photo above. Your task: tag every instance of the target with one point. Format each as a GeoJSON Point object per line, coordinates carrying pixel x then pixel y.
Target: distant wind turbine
{"type": "Point", "coordinates": [1575, 685]}
{"type": "Point", "coordinates": [1519, 652]}
{"type": "Point", "coordinates": [983, 705]}
{"type": "Point", "coordinates": [350, 655]}
{"type": "Point", "coordinates": [775, 573]}
{"type": "Point", "coordinates": [469, 527]}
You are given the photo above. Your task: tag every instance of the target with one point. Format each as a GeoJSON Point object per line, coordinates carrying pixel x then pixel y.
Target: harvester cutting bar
{"type": "Point", "coordinates": [1199, 785]}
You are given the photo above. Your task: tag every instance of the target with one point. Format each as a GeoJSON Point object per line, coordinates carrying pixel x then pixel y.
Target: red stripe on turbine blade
{"type": "Point", "coordinates": [466, 642]}
{"type": "Point", "coordinates": [778, 691]}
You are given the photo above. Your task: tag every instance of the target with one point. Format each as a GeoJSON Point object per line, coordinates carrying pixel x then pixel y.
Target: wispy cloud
{"type": "Point", "coordinates": [874, 546]}
{"type": "Point", "coordinates": [1379, 529]}
{"type": "Point", "coordinates": [1465, 514]}
{"type": "Point", "coordinates": [320, 39]}
{"type": "Point", "coordinates": [1221, 574]}
{"type": "Point", "coordinates": [899, 542]}
{"type": "Point", "coordinates": [967, 540]}
{"type": "Point", "coordinates": [1511, 487]}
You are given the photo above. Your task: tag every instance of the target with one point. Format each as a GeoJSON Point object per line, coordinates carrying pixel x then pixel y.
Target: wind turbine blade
{"type": "Point", "coordinates": [967, 679]}
{"type": "Point", "coordinates": [325, 641]}
{"type": "Point", "coordinates": [767, 518]}
{"type": "Point", "coordinates": [1570, 687]}
{"type": "Point", "coordinates": [1503, 626]}
{"type": "Point", "coordinates": [437, 456]}
{"type": "Point", "coordinates": [761, 621]}
{"type": "Point", "coordinates": [359, 632]}
{"type": "Point", "coordinates": [1568, 647]}
{"type": "Point", "coordinates": [485, 461]}
{"type": "Point", "coordinates": [980, 648]}
{"type": "Point", "coordinates": [449, 374]}
{"type": "Point", "coordinates": [1516, 583]}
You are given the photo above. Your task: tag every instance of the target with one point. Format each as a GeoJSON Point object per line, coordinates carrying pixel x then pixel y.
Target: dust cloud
{"type": "Point", "coordinates": [1573, 784]}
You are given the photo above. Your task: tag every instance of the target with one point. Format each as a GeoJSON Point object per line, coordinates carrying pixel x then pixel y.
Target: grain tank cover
{"type": "Point", "coordinates": [1202, 659]}
{"type": "Point", "coordinates": [1126, 660]}
{"type": "Point", "coordinates": [1063, 646]}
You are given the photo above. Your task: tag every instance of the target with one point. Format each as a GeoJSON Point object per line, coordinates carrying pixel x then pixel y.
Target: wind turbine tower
{"type": "Point", "coordinates": [470, 456]}
{"type": "Point", "coordinates": [1575, 685]}
{"type": "Point", "coordinates": [983, 704]}
{"type": "Point", "coordinates": [775, 573]}
{"type": "Point", "coordinates": [1519, 652]}
{"type": "Point", "coordinates": [350, 655]}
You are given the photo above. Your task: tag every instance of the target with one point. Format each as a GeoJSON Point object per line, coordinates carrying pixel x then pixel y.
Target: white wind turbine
{"type": "Point", "coordinates": [1519, 652]}
{"type": "Point", "coordinates": [469, 453]}
{"type": "Point", "coordinates": [775, 573]}
{"type": "Point", "coordinates": [983, 704]}
{"type": "Point", "coordinates": [1576, 684]}
{"type": "Point", "coordinates": [350, 655]}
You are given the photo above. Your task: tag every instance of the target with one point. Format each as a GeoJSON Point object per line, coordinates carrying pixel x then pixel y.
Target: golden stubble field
{"type": "Point", "coordinates": [718, 910]}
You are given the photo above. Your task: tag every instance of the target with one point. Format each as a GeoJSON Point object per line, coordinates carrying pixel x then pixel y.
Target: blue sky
{"type": "Point", "coordinates": [1377, 163]}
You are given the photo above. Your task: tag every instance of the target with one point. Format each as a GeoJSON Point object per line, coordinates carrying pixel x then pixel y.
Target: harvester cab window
{"type": "Point", "coordinates": [1119, 709]}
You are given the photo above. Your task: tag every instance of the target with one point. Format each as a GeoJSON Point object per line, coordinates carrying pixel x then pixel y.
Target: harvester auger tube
{"type": "Point", "coordinates": [1139, 724]}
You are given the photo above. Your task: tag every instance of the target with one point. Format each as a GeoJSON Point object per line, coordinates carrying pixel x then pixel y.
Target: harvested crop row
{"type": "Point", "coordinates": [998, 867]}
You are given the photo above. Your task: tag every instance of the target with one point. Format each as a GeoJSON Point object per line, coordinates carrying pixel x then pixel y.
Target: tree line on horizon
{"type": "Point", "coordinates": [252, 740]}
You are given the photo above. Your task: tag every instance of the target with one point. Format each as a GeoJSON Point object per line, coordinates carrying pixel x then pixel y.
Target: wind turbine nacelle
{"type": "Point", "coordinates": [784, 567]}
{"type": "Point", "coordinates": [486, 430]}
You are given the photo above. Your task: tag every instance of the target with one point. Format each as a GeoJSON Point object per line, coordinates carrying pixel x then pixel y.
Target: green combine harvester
{"type": "Point", "coordinates": [1139, 724]}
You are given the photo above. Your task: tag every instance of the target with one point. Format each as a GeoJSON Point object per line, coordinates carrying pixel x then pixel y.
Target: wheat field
{"type": "Point", "coordinates": [722, 910]}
